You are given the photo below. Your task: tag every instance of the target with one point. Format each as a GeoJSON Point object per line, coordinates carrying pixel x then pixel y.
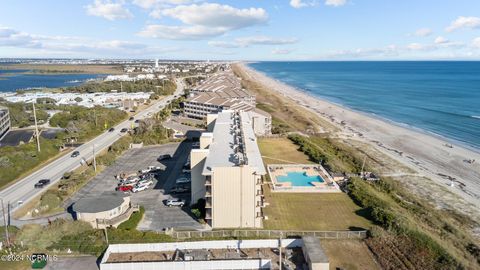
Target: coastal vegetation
{"type": "Point", "coordinates": [157, 86]}
{"type": "Point", "coordinates": [16, 161]}
{"type": "Point", "coordinates": [21, 114]}
{"type": "Point", "coordinates": [133, 221]}
{"type": "Point", "coordinates": [406, 231]}
{"type": "Point", "coordinates": [78, 124]}
{"type": "Point", "coordinates": [65, 69]}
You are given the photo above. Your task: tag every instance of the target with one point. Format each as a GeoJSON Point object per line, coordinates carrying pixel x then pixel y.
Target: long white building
{"type": "Point", "coordinates": [227, 171]}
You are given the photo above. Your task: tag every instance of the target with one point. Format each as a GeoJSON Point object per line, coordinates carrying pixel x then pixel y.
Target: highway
{"type": "Point", "coordinates": [22, 191]}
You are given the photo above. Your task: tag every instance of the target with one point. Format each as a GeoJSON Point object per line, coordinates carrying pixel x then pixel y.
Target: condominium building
{"type": "Point", "coordinates": [200, 104]}
{"type": "Point", "coordinates": [227, 172]}
{"type": "Point", "coordinates": [4, 121]}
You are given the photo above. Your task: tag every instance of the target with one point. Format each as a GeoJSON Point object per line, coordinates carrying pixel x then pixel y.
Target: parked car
{"type": "Point", "coordinates": [42, 183]}
{"type": "Point", "coordinates": [154, 168]}
{"type": "Point", "coordinates": [124, 188]}
{"type": "Point", "coordinates": [129, 181]}
{"type": "Point", "coordinates": [178, 190]}
{"type": "Point", "coordinates": [75, 154]}
{"type": "Point", "coordinates": [186, 170]}
{"type": "Point", "coordinates": [131, 118]}
{"type": "Point", "coordinates": [164, 157]}
{"type": "Point", "coordinates": [141, 186]}
{"type": "Point", "coordinates": [182, 180]}
{"type": "Point", "coordinates": [175, 202]}
{"type": "Point", "coordinates": [137, 121]}
{"type": "Point", "coordinates": [123, 130]}
{"type": "Point", "coordinates": [145, 182]}
{"type": "Point", "coordinates": [111, 130]}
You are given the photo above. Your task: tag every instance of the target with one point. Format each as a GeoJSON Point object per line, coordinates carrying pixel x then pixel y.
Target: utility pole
{"type": "Point", "coordinates": [363, 166]}
{"type": "Point", "coordinates": [280, 251]}
{"type": "Point", "coordinates": [106, 231]}
{"type": "Point", "coordinates": [36, 126]}
{"type": "Point", "coordinates": [6, 225]}
{"type": "Point", "coordinates": [94, 159]}
{"type": "Point", "coordinates": [95, 115]}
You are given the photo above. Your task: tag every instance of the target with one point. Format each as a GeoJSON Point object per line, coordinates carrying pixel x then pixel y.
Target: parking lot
{"type": "Point", "coordinates": [157, 215]}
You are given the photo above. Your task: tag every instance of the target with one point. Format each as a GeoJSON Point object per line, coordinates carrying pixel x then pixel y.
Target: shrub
{"type": "Point", "coordinates": [132, 222]}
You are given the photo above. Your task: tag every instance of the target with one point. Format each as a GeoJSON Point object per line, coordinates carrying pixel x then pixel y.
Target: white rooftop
{"type": "Point", "coordinates": [234, 144]}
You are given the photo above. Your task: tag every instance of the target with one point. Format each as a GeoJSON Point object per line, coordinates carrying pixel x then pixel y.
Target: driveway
{"type": "Point", "coordinates": [157, 215]}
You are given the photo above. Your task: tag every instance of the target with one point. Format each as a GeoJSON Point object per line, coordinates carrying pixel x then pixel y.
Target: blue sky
{"type": "Point", "coordinates": [242, 30]}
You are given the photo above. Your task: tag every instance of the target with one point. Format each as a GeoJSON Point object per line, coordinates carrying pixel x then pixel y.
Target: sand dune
{"type": "Point", "coordinates": [430, 156]}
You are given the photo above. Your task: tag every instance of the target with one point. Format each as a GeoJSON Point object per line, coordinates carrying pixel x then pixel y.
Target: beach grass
{"type": "Point", "coordinates": [348, 254]}
{"type": "Point", "coordinates": [284, 110]}
{"type": "Point", "coordinates": [305, 211]}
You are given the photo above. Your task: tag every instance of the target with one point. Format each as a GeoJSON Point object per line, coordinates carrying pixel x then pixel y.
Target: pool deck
{"type": "Point", "coordinates": [328, 186]}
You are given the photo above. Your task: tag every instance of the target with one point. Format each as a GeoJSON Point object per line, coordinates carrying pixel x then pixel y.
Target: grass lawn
{"type": "Point", "coordinates": [312, 211]}
{"type": "Point", "coordinates": [280, 150]}
{"type": "Point", "coordinates": [348, 254]}
{"type": "Point", "coordinates": [305, 211]}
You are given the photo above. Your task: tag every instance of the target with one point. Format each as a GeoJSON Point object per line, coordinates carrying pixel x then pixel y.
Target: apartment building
{"type": "Point", "coordinates": [4, 121]}
{"type": "Point", "coordinates": [227, 171]}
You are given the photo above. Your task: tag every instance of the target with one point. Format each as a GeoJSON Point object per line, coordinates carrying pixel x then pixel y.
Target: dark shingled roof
{"type": "Point", "coordinates": [102, 203]}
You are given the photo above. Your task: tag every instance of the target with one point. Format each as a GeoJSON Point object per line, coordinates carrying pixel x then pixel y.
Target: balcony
{"type": "Point", "coordinates": [208, 182]}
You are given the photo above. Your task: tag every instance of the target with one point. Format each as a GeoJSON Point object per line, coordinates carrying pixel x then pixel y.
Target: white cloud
{"type": "Point", "coordinates": [420, 47]}
{"type": "Point", "coordinates": [12, 38]}
{"type": "Point", "coordinates": [441, 40]}
{"type": "Point", "coordinates": [423, 32]}
{"type": "Point", "coordinates": [244, 42]}
{"type": "Point", "coordinates": [335, 3]}
{"type": "Point", "coordinates": [180, 32]}
{"type": "Point", "coordinates": [148, 4]}
{"type": "Point", "coordinates": [204, 21]}
{"type": "Point", "coordinates": [464, 22]}
{"type": "Point", "coordinates": [109, 10]}
{"type": "Point", "coordinates": [216, 15]}
{"type": "Point", "coordinates": [67, 46]}
{"type": "Point", "coordinates": [281, 51]}
{"type": "Point", "coordinates": [264, 40]}
{"type": "Point", "coordinates": [476, 42]}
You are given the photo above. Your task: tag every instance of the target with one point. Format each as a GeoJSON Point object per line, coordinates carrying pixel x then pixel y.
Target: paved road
{"type": "Point", "coordinates": [157, 215]}
{"type": "Point", "coordinates": [23, 191]}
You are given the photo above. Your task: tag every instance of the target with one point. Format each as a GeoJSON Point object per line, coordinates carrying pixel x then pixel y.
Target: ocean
{"type": "Point", "coordinates": [439, 97]}
{"type": "Point", "coordinates": [11, 80]}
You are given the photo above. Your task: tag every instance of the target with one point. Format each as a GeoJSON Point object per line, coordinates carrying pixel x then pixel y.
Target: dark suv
{"type": "Point", "coordinates": [164, 157]}
{"type": "Point", "coordinates": [75, 154]}
{"type": "Point", "coordinates": [42, 183]}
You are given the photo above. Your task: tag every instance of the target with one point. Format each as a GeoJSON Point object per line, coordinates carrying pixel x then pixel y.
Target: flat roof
{"type": "Point", "coordinates": [314, 250]}
{"type": "Point", "coordinates": [226, 137]}
{"type": "Point", "coordinates": [102, 203]}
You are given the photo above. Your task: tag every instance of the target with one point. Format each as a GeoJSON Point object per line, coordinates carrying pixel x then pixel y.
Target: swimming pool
{"type": "Point", "coordinates": [299, 179]}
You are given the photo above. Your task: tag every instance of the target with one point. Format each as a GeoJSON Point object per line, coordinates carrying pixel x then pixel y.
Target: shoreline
{"type": "Point", "coordinates": [420, 150]}
{"type": "Point", "coordinates": [452, 141]}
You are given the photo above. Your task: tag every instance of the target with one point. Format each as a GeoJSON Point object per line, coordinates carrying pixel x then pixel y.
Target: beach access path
{"type": "Point", "coordinates": [428, 155]}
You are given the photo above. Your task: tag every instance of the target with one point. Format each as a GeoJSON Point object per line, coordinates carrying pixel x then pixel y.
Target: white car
{"type": "Point", "coordinates": [175, 202]}
{"type": "Point", "coordinates": [141, 187]}
{"type": "Point", "coordinates": [153, 168]}
{"type": "Point", "coordinates": [182, 180]}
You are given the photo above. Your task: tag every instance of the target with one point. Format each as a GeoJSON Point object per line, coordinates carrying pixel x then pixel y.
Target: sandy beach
{"type": "Point", "coordinates": [429, 156]}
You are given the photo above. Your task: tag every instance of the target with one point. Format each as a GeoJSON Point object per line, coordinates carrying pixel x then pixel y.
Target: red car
{"type": "Point", "coordinates": [124, 188]}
